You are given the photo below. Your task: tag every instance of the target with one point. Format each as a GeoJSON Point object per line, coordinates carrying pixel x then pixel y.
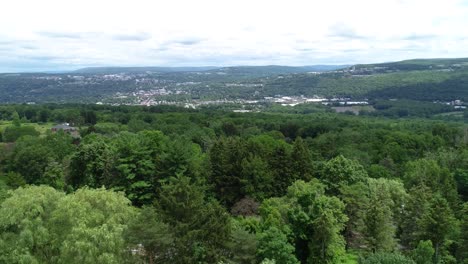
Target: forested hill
{"type": "Point", "coordinates": [423, 80]}
{"type": "Point", "coordinates": [428, 80]}
{"type": "Point", "coordinates": [419, 64]}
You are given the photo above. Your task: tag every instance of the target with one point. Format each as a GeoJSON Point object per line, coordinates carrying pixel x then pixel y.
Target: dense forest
{"type": "Point", "coordinates": [164, 184]}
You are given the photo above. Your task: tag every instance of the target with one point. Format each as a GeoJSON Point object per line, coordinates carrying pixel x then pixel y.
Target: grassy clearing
{"type": "Point", "coordinates": [40, 127]}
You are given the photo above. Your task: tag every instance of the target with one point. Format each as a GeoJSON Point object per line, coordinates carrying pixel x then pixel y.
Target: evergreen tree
{"type": "Point", "coordinates": [438, 224]}
{"type": "Point", "coordinates": [200, 225]}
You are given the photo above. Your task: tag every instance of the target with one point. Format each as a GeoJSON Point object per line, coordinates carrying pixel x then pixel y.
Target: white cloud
{"type": "Point", "coordinates": [72, 34]}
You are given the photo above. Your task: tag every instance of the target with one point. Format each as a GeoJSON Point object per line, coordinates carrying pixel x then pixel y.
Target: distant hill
{"type": "Point", "coordinates": [278, 69]}
{"type": "Point", "coordinates": [244, 70]}
{"type": "Point", "coordinates": [115, 70]}
{"type": "Point", "coordinates": [419, 79]}
{"type": "Point", "coordinates": [324, 68]}
{"type": "Point", "coordinates": [417, 64]}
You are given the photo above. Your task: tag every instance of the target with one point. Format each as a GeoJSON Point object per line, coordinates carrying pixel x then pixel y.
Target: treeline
{"type": "Point", "coordinates": [163, 185]}
{"type": "Point", "coordinates": [407, 108]}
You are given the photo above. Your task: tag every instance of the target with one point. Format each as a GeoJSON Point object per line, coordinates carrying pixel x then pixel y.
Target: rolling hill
{"type": "Point", "coordinates": [424, 80]}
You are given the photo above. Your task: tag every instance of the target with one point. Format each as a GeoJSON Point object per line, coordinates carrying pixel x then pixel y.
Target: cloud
{"type": "Point", "coordinates": [141, 36]}
{"type": "Point", "coordinates": [160, 33]}
{"type": "Point", "coordinates": [63, 35]}
{"type": "Point", "coordinates": [343, 31]}
{"type": "Point", "coordinates": [42, 58]}
{"type": "Point", "coordinates": [418, 37]}
{"type": "Point", "coordinates": [29, 47]}
{"type": "Point", "coordinates": [188, 41]}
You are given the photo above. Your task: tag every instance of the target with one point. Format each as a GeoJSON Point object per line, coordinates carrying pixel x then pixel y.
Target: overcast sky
{"type": "Point", "coordinates": [61, 34]}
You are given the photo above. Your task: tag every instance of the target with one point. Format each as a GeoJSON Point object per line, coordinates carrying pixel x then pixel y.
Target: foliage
{"type": "Point", "coordinates": [312, 187]}
{"type": "Point", "coordinates": [200, 226]}
{"type": "Point", "coordinates": [341, 171]}
{"type": "Point", "coordinates": [424, 253]}
{"type": "Point", "coordinates": [387, 258]}
{"type": "Point", "coordinates": [41, 225]}
{"type": "Point", "coordinates": [274, 245]}
{"type": "Point", "coordinates": [243, 246]}
{"type": "Point", "coordinates": [152, 234]}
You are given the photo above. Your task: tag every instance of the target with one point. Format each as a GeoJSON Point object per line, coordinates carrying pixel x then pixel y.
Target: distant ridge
{"type": "Point", "coordinates": [419, 64]}
{"type": "Point", "coordinates": [114, 70]}
{"type": "Point", "coordinates": [268, 69]}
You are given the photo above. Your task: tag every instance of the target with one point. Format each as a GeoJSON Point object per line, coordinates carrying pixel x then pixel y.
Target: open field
{"type": "Point", "coordinates": [40, 127]}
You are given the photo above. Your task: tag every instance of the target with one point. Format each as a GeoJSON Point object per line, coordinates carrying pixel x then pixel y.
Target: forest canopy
{"type": "Point", "coordinates": [173, 185]}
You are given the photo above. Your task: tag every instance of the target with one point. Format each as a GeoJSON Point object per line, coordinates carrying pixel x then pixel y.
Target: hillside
{"type": "Point", "coordinates": [418, 64]}
{"type": "Point", "coordinates": [433, 79]}
{"type": "Point", "coordinates": [426, 80]}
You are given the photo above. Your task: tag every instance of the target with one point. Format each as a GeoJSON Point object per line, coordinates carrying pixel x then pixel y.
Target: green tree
{"type": "Point", "coordinates": [257, 179]}
{"type": "Point", "coordinates": [54, 175]}
{"type": "Point", "coordinates": [423, 254]}
{"type": "Point", "coordinates": [179, 156]}
{"type": "Point", "coordinates": [87, 226]}
{"type": "Point", "coordinates": [39, 224]}
{"type": "Point", "coordinates": [438, 224]}
{"type": "Point", "coordinates": [341, 171]}
{"type": "Point", "coordinates": [156, 237]}
{"type": "Point", "coordinates": [242, 246]}
{"type": "Point", "coordinates": [91, 164]}
{"type": "Point", "coordinates": [429, 173]}
{"type": "Point", "coordinates": [273, 244]}
{"type": "Point", "coordinates": [387, 258]}
{"type": "Point", "coordinates": [15, 119]}
{"type": "Point", "coordinates": [301, 161]}
{"type": "Point", "coordinates": [386, 200]}
{"type": "Point", "coordinates": [12, 179]}
{"type": "Point", "coordinates": [12, 133]}
{"type": "Point", "coordinates": [200, 225]}
{"type": "Point", "coordinates": [356, 200]}
{"type": "Point", "coordinates": [226, 158]}
{"type": "Point", "coordinates": [25, 236]}
{"type": "Point", "coordinates": [463, 239]}
{"type": "Point", "coordinates": [416, 207]}
{"type": "Point", "coordinates": [30, 158]}
{"type": "Point", "coordinates": [317, 221]}
{"type": "Point", "coordinates": [280, 165]}
{"type": "Point", "coordinates": [135, 167]}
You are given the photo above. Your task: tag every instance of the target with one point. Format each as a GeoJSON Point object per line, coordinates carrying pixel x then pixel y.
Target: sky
{"type": "Point", "coordinates": [56, 35]}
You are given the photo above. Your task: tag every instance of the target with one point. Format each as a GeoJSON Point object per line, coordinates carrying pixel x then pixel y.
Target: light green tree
{"type": "Point", "coordinates": [24, 225]}
{"type": "Point", "coordinates": [382, 216]}
{"type": "Point", "coordinates": [39, 224]}
{"type": "Point", "coordinates": [88, 226]}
